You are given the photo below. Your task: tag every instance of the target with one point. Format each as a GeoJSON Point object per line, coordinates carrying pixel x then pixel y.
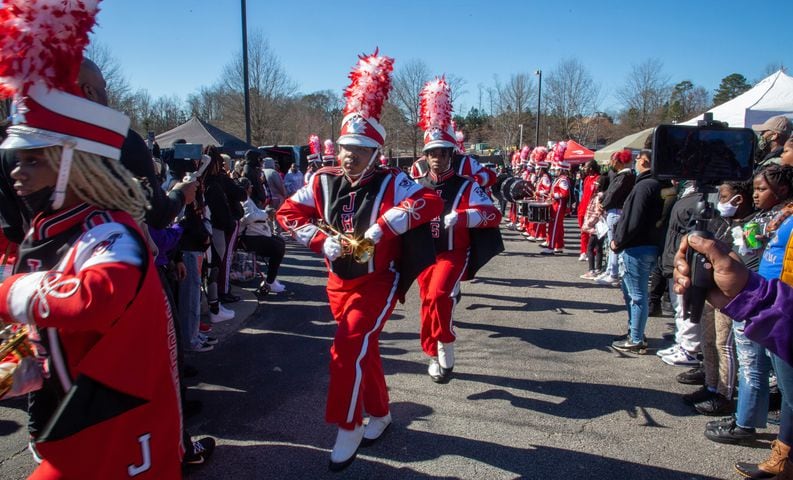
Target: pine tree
{"type": "Point", "coordinates": [731, 86]}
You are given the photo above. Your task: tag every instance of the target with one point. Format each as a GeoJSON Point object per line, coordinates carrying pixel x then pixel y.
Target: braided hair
{"type": "Point", "coordinates": [102, 182]}
{"type": "Point", "coordinates": [779, 177]}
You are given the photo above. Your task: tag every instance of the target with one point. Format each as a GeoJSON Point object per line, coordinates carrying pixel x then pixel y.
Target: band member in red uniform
{"type": "Point", "coordinates": [588, 189]}
{"type": "Point", "coordinates": [362, 200]}
{"type": "Point", "coordinates": [463, 165]}
{"type": "Point", "coordinates": [542, 190]}
{"type": "Point", "coordinates": [466, 207]}
{"type": "Point", "coordinates": [559, 193]}
{"type": "Point", "coordinates": [85, 284]}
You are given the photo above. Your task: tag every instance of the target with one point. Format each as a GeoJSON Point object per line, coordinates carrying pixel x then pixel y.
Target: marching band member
{"type": "Point", "coordinates": [560, 191]}
{"type": "Point", "coordinates": [315, 159]}
{"type": "Point", "coordinates": [86, 287]}
{"type": "Point", "coordinates": [513, 209]}
{"type": "Point", "coordinates": [329, 154]}
{"type": "Point", "coordinates": [542, 191]}
{"type": "Point", "coordinates": [367, 204]}
{"type": "Point", "coordinates": [466, 207]}
{"type": "Point", "coordinates": [464, 165]}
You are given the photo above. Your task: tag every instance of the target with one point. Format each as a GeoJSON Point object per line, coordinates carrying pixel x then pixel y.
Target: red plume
{"type": "Point", "coordinates": [436, 105]}
{"type": "Point", "coordinates": [330, 149]}
{"type": "Point", "coordinates": [43, 40]}
{"type": "Point", "coordinates": [313, 144]}
{"type": "Point", "coordinates": [371, 82]}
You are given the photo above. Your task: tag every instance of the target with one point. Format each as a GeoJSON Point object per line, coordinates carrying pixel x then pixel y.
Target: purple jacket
{"type": "Point", "coordinates": [767, 307]}
{"type": "Point", "coordinates": [166, 240]}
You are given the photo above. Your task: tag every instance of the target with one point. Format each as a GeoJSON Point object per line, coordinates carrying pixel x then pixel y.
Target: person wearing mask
{"type": "Point", "coordinates": [362, 292]}
{"type": "Point", "coordinates": [637, 238]}
{"type": "Point", "coordinates": [772, 135]}
{"type": "Point", "coordinates": [619, 187]}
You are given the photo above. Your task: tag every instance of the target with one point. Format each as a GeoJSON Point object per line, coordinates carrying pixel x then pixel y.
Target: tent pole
{"type": "Point", "coordinates": [246, 86]}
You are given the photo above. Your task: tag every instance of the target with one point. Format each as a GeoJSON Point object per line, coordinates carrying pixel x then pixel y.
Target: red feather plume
{"type": "Point", "coordinates": [436, 105]}
{"type": "Point", "coordinates": [43, 41]}
{"type": "Point", "coordinates": [371, 83]}
{"type": "Point", "coordinates": [330, 149]}
{"type": "Point", "coordinates": [314, 144]}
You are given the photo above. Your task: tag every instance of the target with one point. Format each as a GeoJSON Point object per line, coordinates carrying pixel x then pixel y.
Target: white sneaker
{"type": "Point", "coordinates": [607, 279]}
{"type": "Point", "coordinates": [680, 358]}
{"type": "Point", "coordinates": [547, 251]}
{"type": "Point", "coordinates": [276, 287]}
{"type": "Point", "coordinates": [446, 355]}
{"type": "Point", "coordinates": [531, 238]}
{"type": "Point", "coordinates": [223, 315]}
{"type": "Point", "coordinates": [226, 311]}
{"type": "Point", "coordinates": [345, 448]}
{"type": "Point", "coordinates": [582, 257]}
{"type": "Point", "coordinates": [668, 351]}
{"type": "Point", "coordinates": [375, 428]}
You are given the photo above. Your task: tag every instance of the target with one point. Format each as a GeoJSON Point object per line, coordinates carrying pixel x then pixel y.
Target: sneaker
{"type": "Point", "coordinates": [627, 345]}
{"type": "Point", "coordinates": [607, 279]}
{"type": "Point", "coordinates": [201, 451]}
{"type": "Point", "coordinates": [226, 311]}
{"type": "Point", "coordinates": [544, 245]}
{"type": "Point", "coordinates": [699, 395]}
{"type": "Point", "coordinates": [720, 422]}
{"type": "Point", "coordinates": [200, 347]}
{"type": "Point", "coordinates": [276, 287]}
{"type": "Point", "coordinates": [204, 327]}
{"type": "Point", "coordinates": [590, 275]}
{"type": "Point", "coordinates": [695, 376]}
{"type": "Point", "coordinates": [582, 257]}
{"type": "Point", "coordinates": [558, 250]}
{"type": "Point", "coordinates": [668, 351]}
{"type": "Point", "coordinates": [680, 358]}
{"type": "Point", "coordinates": [531, 238]}
{"type": "Point", "coordinates": [437, 373]}
{"type": "Point", "coordinates": [207, 339]}
{"type": "Point", "coordinates": [222, 315]}
{"type": "Point", "coordinates": [731, 434]}
{"type": "Point", "coordinates": [345, 448]}
{"type": "Point", "coordinates": [375, 429]}
{"type": "Point", "coordinates": [547, 251]}
{"type": "Point", "coordinates": [715, 405]}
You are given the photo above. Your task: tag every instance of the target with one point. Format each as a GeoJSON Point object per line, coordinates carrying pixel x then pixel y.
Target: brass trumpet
{"type": "Point", "coordinates": [362, 250]}
{"type": "Point", "coordinates": [12, 343]}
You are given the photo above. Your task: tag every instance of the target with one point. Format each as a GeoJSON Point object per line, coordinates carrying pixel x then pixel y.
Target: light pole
{"type": "Point", "coordinates": [539, 98]}
{"type": "Point", "coordinates": [245, 75]}
{"type": "Point", "coordinates": [520, 142]}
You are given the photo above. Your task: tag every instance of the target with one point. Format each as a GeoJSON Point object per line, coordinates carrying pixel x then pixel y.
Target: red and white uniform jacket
{"type": "Point", "coordinates": [111, 346]}
{"type": "Point", "coordinates": [473, 206]}
{"type": "Point", "coordinates": [463, 165]}
{"type": "Point", "coordinates": [383, 196]}
{"type": "Point", "coordinates": [543, 188]}
{"type": "Point", "coordinates": [560, 190]}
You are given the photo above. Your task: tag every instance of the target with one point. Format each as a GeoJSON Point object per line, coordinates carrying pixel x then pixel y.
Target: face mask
{"type": "Point", "coordinates": [38, 201]}
{"type": "Point", "coordinates": [727, 209]}
{"type": "Point", "coordinates": [762, 143]}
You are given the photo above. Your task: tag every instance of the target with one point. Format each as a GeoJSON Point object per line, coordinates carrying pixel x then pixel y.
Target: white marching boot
{"type": "Point", "coordinates": [375, 429]}
{"type": "Point", "coordinates": [345, 449]}
{"type": "Point", "coordinates": [446, 355]}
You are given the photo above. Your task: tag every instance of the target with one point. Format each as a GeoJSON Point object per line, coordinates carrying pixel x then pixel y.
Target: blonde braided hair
{"type": "Point", "coordinates": [102, 182]}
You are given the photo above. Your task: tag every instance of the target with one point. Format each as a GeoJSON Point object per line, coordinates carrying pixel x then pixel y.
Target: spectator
{"type": "Point", "coordinates": [252, 170]}
{"type": "Point", "coordinates": [293, 180]}
{"type": "Point", "coordinates": [594, 214]}
{"type": "Point", "coordinates": [587, 188]}
{"type": "Point", "coordinates": [257, 237]}
{"type": "Point", "coordinates": [637, 237]}
{"type": "Point", "coordinates": [619, 187]}
{"type": "Point", "coordinates": [277, 189]}
{"type": "Point", "coordinates": [772, 135]}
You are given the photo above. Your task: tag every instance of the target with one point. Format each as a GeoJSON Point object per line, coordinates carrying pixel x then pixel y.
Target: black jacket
{"type": "Point", "coordinates": [679, 224]}
{"type": "Point", "coordinates": [221, 193]}
{"type": "Point", "coordinates": [619, 188]}
{"type": "Point", "coordinates": [640, 224]}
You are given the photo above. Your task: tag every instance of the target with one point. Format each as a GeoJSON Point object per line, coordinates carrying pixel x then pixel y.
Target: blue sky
{"type": "Point", "coordinates": [172, 47]}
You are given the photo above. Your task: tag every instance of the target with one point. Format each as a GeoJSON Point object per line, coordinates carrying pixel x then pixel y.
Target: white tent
{"type": "Point", "coordinates": [634, 141]}
{"type": "Point", "coordinates": [770, 97]}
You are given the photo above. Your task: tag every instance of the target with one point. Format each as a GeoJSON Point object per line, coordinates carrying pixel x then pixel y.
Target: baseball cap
{"type": "Point", "coordinates": [779, 123]}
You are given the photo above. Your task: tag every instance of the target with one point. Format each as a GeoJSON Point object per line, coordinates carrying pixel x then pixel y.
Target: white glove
{"type": "Point", "coordinates": [450, 220]}
{"type": "Point", "coordinates": [557, 196]}
{"type": "Point", "coordinates": [374, 233]}
{"type": "Point", "coordinates": [331, 248]}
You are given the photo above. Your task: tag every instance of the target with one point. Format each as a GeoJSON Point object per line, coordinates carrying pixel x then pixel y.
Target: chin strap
{"type": "Point", "coordinates": [59, 195]}
{"type": "Point", "coordinates": [354, 180]}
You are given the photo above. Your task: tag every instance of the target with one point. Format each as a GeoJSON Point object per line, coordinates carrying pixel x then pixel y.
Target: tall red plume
{"type": "Point", "coordinates": [313, 144]}
{"type": "Point", "coordinates": [371, 83]}
{"type": "Point", "coordinates": [330, 149]}
{"type": "Point", "coordinates": [43, 40]}
{"type": "Point", "coordinates": [436, 105]}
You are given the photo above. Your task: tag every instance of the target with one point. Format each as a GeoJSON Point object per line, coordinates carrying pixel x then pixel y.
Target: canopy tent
{"type": "Point", "coordinates": [196, 130]}
{"type": "Point", "coordinates": [770, 97]}
{"type": "Point", "coordinates": [634, 141]}
{"type": "Point", "coordinates": [576, 153]}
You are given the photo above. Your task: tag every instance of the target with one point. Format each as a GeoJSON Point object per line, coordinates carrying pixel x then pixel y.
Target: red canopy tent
{"type": "Point", "coordinates": [577, 153]}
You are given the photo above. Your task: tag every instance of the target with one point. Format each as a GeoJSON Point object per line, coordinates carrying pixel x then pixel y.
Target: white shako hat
{"type": "Point", "coordinates": [368, 91]}
{"type": "Point", "coordinates": [435, 115]}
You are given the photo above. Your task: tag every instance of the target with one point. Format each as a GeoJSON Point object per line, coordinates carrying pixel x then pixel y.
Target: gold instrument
{"type": "Point", "coordinates": [362, 250]}
{"type": "Point", "coordinates": [16, 343]}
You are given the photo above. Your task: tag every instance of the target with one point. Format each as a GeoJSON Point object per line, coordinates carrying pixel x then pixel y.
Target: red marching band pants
{"type": "Point", "coordinates": [556, 225]}
{"type": "Point", "coordinates": [439, 286]}
{"type": "Point", "coordinates": [584, 235]}
{"type": "Point", "coordinates": [361, 307]}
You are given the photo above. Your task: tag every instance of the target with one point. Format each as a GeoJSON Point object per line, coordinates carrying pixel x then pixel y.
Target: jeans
{"type": "Point", "coordinates": [784, 378]}
{"type": "Point", "coordinates": [190, 298]}
{"type": "Point", "coordinates": [612, 266]}
{"type": "Point", "coordinates": [753, 369]}
{"type": "Point", "coordinates": [637, 264]}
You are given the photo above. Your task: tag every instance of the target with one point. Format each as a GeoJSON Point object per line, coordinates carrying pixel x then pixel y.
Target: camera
{"type": "Point", "coordinates": [187, 151]}
{"type": "Point", "coordinates": [710, 153]}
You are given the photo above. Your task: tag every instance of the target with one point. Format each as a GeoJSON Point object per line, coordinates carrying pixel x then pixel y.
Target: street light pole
{"type": "Point", "coordinates": [539, 97]}
{"type": "Point", "coordinates": [520, 142]}
{"type": "Point", "coordinates": [245, 75]}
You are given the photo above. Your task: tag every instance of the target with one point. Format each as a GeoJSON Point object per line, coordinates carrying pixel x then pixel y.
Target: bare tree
{"type": "Point", "coordinates": [408, 81]}
{"type": "Point", "coordinates": [571, 95]}
{"type": "Point", "coordinates": [645, 93]}
{"type": "Point", "coordinates": [270, 88]}
{"type": "Point", "coordinates": [512, 104]}
{"type": "Point", "coordinates": [457, 85]}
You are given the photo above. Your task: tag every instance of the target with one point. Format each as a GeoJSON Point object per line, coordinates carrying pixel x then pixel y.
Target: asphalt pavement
{"type": "Point", "coordinates": [537, 391]}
